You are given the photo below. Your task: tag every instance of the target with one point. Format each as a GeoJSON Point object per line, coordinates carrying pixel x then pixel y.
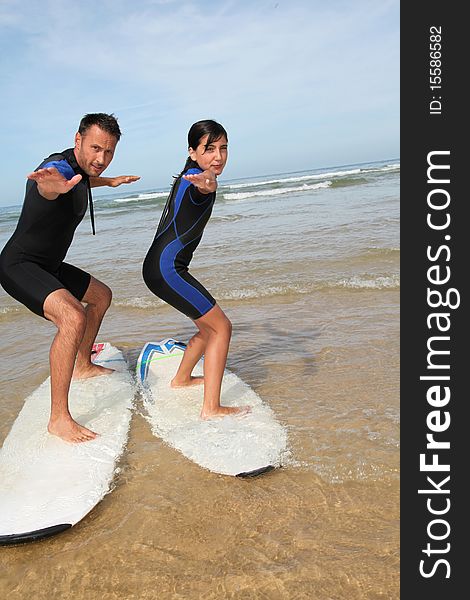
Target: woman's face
{"type": "Point", "coordinates": [212, 158]}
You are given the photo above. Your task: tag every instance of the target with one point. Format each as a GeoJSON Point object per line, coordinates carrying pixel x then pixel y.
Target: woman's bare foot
{"type": "Point", "coordinates": [91, 370]}
{"type": "Point", "coordinates": [223, 411]}
{"type": "Point", "coordinates": [193, 380]}
{"type": "Point", "coordinates": [70, 431]}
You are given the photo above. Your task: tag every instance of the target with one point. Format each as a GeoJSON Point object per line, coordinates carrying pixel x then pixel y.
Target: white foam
{"type": "Point", "coordinates": [379, 282]}
{"type": "Point", "coordinates": [5, 310]}
{"type": "Point", "coordinates": [137, 302]}
{"type": "Point", "coordinates": [277, 191]}
{"type": "Point", "coordinates": [148, 196]}
{"type": "Point", "coordinates": [295, 179]}
{"type": "Point", "coordinates": [392, 167]}
{"type": "Point", "coordinates": [314, 176]}
{"type": "Point", "coordinates": [273, 290]}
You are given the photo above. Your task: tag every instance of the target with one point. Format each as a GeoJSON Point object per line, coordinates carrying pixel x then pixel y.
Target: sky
{"type": "Point", "coordinates": [298, 84]}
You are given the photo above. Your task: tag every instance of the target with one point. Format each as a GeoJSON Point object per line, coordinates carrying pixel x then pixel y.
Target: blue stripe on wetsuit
{"type": "Point", "coordinates": [168, 257]}
{"type": "Point", "coordinates": [179, 199]}
{"type": "Point", "coordinates": [62, 166]}
{"type": "Point", "coordinates": [176, 282]}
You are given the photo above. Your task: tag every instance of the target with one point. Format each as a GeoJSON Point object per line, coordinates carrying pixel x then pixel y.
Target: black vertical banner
{"type": "Point", "coordinates": [435, 355]}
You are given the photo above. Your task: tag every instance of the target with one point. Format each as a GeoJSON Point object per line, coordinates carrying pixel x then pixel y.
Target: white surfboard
{"type": "Point", "coordinates": [48, 485]}
{"type": "Point", "coordinates": [242, 446]}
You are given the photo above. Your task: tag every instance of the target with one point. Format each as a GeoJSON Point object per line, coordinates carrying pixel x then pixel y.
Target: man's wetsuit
{"type": "Point", "coordinates": [165, 268]}
{"type": "Point", "coordinates": [31, 263]}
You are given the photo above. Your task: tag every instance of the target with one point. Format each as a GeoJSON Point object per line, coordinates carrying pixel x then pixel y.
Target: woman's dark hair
{"type": "Point", "coordinates": [105, 122]}
{"type": "Point", "coordinates": [197, 131]}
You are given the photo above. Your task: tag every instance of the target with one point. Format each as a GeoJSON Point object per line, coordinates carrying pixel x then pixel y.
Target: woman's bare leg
{"type": "Point", "coordinates": [216, 328]}
{"type": "Point", "coordinates": [193, 352]}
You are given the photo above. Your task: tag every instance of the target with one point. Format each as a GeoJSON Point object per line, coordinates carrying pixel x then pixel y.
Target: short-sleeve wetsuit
{"type": "Point", "coordinates": [165, 268]}
{"type": "Point", "coordinates": [31, 263]}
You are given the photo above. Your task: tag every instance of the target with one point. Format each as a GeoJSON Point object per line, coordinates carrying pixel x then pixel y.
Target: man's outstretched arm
{"type": "Point", "coordinates": [113, 181]}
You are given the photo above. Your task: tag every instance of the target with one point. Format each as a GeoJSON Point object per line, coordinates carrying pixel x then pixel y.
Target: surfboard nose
{"type": "Point", "coordinates": [166, 347]}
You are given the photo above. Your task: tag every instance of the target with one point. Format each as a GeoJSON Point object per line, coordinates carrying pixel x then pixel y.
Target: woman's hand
{"type": "Point", "coordinates": [205, 182]}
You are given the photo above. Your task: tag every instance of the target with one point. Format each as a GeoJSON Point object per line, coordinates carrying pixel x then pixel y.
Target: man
{"type": "Point", "coordinates": [32, 268]}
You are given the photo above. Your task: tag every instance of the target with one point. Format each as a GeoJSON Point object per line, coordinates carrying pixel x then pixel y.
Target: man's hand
{"type": "Point", "coordinates": [51, 183]}
{"type": "Point", "coordinates": [205, 182]}
{"type": "Point", "coordinates": [113, 181]}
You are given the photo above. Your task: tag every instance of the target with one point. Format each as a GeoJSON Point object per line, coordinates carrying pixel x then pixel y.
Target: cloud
{"type": "Point", "coordinates": [269, 70]}
{"type": "Point", "coordinates": [178, 49]}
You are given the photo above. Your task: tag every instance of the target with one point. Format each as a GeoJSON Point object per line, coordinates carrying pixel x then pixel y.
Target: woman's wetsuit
{"type": "Point", "coordinates": [31, 263]}
{"type": "Point", "coordinates": [165, 268]}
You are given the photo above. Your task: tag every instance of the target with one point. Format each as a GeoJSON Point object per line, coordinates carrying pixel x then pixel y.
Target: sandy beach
{"type": "Point", "coordinates": [306, 266]}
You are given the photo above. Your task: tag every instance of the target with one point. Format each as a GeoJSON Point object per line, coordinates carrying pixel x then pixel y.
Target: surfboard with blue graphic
{"type": "Point", "coordinates": [48, 485]}
{"type": "Point", "coordinates": [243, 446]}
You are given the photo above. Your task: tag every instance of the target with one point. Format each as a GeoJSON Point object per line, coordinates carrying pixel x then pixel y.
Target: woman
{"type": "Point", "coordinates": [165, 268]}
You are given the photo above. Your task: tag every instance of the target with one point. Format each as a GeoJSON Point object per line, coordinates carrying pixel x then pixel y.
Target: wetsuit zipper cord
{"type": "Point", "coordinates": [92, 213]}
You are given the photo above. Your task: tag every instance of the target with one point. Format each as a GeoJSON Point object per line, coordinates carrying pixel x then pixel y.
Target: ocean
{"type": "Point", "coordinates": [306, 266]}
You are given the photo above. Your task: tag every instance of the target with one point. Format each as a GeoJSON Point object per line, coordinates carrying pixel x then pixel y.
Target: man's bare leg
{"type": "Point", "coordinates": [193, 352]}
{"type": "Point", "coordinates": [216, 327]}
{"type": "Point", "coordinates": [97, 298]}
{"type": "Point", "coordinates": [69, 316]}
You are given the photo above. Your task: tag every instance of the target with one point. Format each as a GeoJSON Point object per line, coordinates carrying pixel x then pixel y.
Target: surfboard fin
{"type": "Point", "coordinates": [33, 536]}
{"type": "Point", "coordinates": [256, 472]}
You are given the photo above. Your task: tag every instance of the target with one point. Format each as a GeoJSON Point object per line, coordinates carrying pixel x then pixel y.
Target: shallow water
{"type": "Point", "coordinates": [310, 280]}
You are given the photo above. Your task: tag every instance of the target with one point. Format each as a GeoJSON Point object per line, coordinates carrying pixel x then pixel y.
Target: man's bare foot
{"type": "Point", "coordinates": [193, 380]}
{"type": "Point", "coordinates": [223, 411]}
{"type": "Point", "coordinates": [91, 370]}
{"type": "Point", "coordinates": [70, 431]}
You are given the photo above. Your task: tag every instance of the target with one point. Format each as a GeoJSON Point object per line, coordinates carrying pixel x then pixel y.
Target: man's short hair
{"type": "Point", "coordinates": [105, 122]}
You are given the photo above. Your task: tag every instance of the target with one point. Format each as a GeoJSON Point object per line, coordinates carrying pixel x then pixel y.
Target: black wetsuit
{"type": "Point", "coordinates": [31, 263]}
{"type": "Point", "coordinates": [165, 268]}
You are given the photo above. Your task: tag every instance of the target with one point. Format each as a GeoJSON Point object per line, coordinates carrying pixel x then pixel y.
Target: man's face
{"type": "Point", "coordinates": [94, 150]}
